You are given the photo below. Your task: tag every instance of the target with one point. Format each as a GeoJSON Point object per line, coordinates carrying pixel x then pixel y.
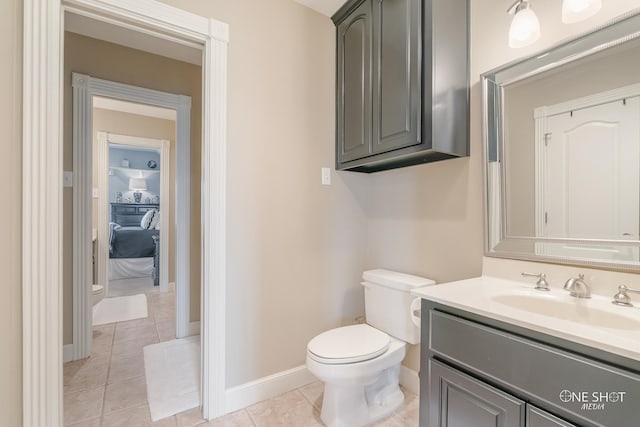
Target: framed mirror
{"type": "Point", "coordinates": [562, 152]}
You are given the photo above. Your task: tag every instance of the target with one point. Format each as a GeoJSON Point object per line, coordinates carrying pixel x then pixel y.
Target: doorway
{"type": "Point", "coordinates": [85, 89]}
{"type": "Point", "coordinates": [43, 189]}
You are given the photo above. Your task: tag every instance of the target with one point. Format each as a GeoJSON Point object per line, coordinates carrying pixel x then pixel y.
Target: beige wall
{"type": "Point", "coordinates": [295, 249]}
{"type": "Point", "coordinates": [120, 64]}
{"type": "Point", "coordinates": [11, 213]}
{"type": "Point", "coordinates": [128, 124]}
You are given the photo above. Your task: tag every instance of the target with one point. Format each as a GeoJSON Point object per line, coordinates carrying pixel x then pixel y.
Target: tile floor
{"type": "Point", "coordinates": [109, 389]}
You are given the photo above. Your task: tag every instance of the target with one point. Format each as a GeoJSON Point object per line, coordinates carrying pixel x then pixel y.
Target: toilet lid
{"type": "Point", "coordinates": [349, 344]}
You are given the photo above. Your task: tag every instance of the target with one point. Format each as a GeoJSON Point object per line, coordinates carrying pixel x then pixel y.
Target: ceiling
{"type": "Point", "coordinates": [325, 7]}
{"type": "Point", "coordinates": [146, 41]}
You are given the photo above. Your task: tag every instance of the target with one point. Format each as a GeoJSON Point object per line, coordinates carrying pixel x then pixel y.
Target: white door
{"type": "Point", "coordinates": [591, 175]}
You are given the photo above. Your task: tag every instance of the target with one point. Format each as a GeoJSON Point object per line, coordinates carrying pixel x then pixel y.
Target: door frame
{"type": "Point", "coordinates": [42, 184]}
{"type": "Point", "coordinates": [163, 145]}
{"type": "Point", "coordinates": [84, 89]}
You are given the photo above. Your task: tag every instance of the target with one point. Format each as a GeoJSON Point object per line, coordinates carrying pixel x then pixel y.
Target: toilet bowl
{"type": "Point", "coordinates": [97, 292]}
{"type": "Point", "coordinates": [360, 364]}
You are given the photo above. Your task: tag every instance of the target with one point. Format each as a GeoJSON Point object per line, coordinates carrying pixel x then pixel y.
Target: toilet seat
{"type": "Point", "coordinates": [348, 344]}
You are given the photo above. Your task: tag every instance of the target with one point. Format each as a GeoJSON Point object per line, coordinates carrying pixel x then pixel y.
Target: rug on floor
{"type": "Point", "coordinates": [120, 309]}
{"type": "Point", "coordinates": [172, 370]}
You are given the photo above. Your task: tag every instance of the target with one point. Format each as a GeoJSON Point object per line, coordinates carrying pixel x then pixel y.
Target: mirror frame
{"type": "Point", "coordinates": [621, 30]}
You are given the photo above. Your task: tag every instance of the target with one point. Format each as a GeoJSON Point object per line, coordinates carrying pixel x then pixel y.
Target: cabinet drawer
{"type": "Point", "coordinates": [587, 391]}
{"type": "Point", "coordinates": [536, 417]}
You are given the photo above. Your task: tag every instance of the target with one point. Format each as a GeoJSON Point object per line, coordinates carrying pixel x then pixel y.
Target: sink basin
{"type": "Point", "coordinates": [587, 312]}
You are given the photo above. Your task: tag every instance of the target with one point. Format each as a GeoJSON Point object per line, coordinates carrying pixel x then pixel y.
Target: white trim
{"type": "Point", "coordinates": [409, 379]}
{"type": "Point", "coordinates": [194, 328]}
{"type": "Point", "coordinates": [247, 394]}
{"type": "Point", "coordinates": [214, 211]}
{"type": "Point", "coordinates": [42, 214]}
{"type": "Point", "coordinates": [84, 89]}
{"type": "Point", "coordinates": [102, 276]}
{"type": "Point", "coordinates": [183, 214]}
{"type": "Point", "coordinates": [67, 353]}
{"type": "Point", "coordinates": [42, 192]}
{"type": "Point", "coordinates": [82, 227]}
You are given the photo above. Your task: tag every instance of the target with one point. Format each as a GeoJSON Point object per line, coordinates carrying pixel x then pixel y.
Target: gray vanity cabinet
{"type": "Point", "coordinates": [402, 67]}
{"type": "Point", "coordinates": [464, 401]}
{"type": "Point", "coordinates": [476, 371]}
{"type": "Point", "coordinates": [536, 417]}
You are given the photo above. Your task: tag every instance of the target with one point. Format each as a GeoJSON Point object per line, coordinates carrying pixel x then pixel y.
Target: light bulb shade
{"type": "Point", "coordinates": [579, 10]}
{"type": "Point", "coordinates": [137, 184]}
{"type": "Point", "coordinates": [525, 28]}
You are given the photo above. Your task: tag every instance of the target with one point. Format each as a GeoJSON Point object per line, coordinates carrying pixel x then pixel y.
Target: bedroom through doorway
{"type": "Point", "coordinates": [132, 208]}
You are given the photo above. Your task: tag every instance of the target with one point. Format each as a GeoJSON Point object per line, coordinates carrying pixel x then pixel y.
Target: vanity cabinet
{"type": "Point", "coordinates": [480, 372]}
{"type": "Point", "coordinates": [465, 401]}
{"type": "Point", "coordinates": [396, 61]}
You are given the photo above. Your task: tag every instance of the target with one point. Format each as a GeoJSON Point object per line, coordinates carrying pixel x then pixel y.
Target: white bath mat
{"type": "Point", "coordinates": [120, 309]}
{"type": "Point", "coordinates": [172, 370]}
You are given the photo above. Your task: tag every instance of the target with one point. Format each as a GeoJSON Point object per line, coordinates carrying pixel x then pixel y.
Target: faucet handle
{"type": "Point", "coordinates": [541, 284]}
{"type": "Point", "coordinates": [622, 298]}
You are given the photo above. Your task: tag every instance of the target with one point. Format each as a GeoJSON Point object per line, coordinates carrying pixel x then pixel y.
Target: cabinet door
{"type": "Point", "coordinates": [458, 400]}
{"type": "Point", "coordinates": [536, 417]}
{"type": "Point", "coordinates": [397, 90]}
{"type": "Point", "coordinates": [354, 85]}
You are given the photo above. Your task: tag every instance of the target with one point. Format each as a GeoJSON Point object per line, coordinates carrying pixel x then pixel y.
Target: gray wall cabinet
{"type": "Point", "coordinates": [402, 89]}
{"type": "Point", "coordinates": [481, 372]}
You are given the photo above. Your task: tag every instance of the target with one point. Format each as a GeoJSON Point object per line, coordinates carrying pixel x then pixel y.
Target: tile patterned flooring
{"type": "Point", "coordinates": [109, 389]}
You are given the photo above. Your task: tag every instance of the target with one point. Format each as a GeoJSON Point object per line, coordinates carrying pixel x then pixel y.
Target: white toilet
{"type": "Point", "coordinates": [360, 364]}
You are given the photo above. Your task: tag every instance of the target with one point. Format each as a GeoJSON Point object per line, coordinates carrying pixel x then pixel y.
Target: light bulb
{"type": "Point", "coordinates": [579, 10]}
{"type": "Point", "coordinates": [525, 28]}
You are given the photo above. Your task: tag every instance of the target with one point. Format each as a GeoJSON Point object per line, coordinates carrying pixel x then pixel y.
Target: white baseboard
{"type": "Point", "coordinates": [247, 394]}
{"type": "Point", "coordinates": [67, 353]}
{"type": "Point", "coordinates": [409, 379]}
{"type": "Point", "coordinates": [194, 328]}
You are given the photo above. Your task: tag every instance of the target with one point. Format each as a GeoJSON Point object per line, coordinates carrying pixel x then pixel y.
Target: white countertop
{"type": "Point", "coordinates": [477, 296]}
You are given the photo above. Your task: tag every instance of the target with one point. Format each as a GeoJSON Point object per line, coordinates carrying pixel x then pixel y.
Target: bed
{"type": "Point", "coordinates": [133, 249]}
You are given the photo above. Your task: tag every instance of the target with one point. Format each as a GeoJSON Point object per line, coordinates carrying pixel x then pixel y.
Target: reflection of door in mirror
{"type": "Point", "coordinates": [588, 157]}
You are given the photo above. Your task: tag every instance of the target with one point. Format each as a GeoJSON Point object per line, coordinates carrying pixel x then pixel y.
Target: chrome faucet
{"type": "Point", "coordinates": [622, 298]}
{"type": "Point", "coordinates": [541, 284]}
{"type": "Point", "coordinates": [577, 287]}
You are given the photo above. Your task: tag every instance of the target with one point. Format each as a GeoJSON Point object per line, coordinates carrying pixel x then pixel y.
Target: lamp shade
{"type": "Point", "coordinates": [578, 10]}
{"type": "Point", "coordinates": [525, 28]}
{"type": "Point", "coordinates": [137, 184]}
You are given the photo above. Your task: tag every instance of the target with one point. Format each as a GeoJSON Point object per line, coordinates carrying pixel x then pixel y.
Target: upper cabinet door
{"type": "Point", "coordinates": [397, 90]}
{"type": "Point", "coordinates": [354, 85]}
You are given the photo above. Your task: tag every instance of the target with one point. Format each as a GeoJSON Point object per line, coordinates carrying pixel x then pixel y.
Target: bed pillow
{"type": "Point", "coordinates": [147, 222]}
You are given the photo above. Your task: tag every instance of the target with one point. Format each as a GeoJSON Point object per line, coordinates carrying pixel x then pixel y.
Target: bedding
{"type": "Point", "coordinates": [132, 242]}
{"type": "Point", "coordinates": [128, 268]}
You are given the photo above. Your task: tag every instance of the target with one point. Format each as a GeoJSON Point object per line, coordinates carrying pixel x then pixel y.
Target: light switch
{"type": "Point", "coordinates": [67, 180]}
{"type": "Point", "coordinates": [95, 193]}
{"type": "Point", "coordinates": [326, 176]}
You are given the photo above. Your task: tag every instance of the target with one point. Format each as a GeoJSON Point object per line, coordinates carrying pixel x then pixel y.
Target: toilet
{"type": "Point", "coordinates": [97, 292]}
{"type": "Point", "coordinates": [360, 364]}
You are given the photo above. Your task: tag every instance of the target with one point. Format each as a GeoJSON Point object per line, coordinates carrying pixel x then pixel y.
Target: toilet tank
{"type": "Point", "coordinates": [387, 300]}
